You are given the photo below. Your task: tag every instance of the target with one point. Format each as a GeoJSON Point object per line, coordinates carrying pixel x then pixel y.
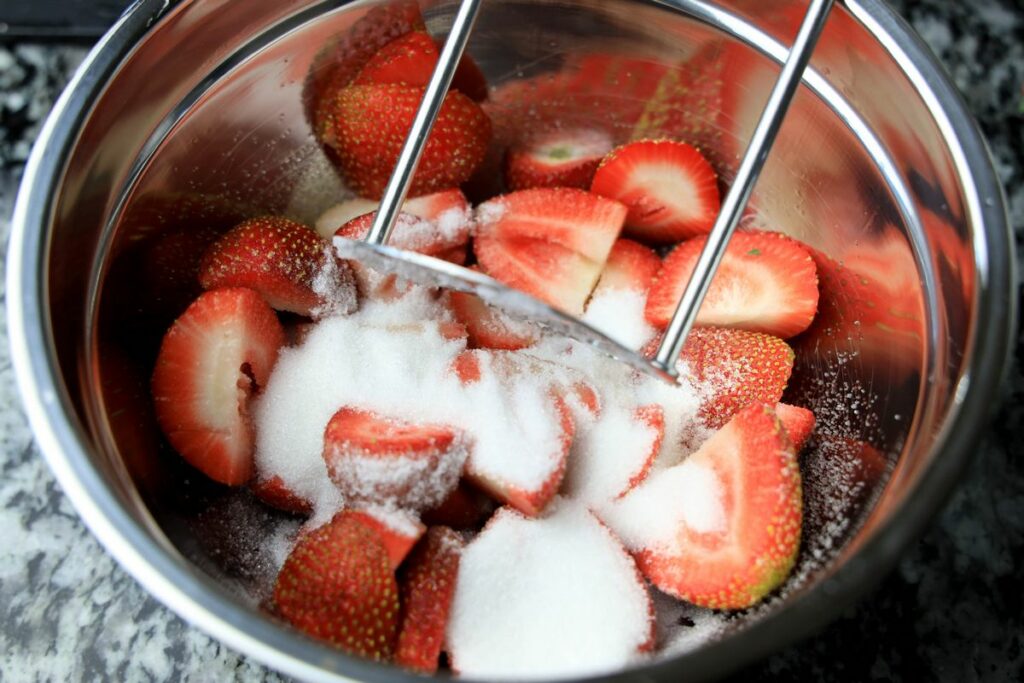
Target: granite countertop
{"type": "Point", "coordinates": [952, 609]}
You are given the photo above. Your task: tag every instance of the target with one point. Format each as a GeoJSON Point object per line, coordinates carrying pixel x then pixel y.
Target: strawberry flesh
{"type": "Point", "coordinates": [211, 362]}
{"type": "Point", "coordinates": [337, 585]}
{"type": "Point", "coordinates": [274, 492]}
{"type": "Point", "coordinates": [489, 328]}
{"type": "Point", "coordinates": [630, 265]}
{"type": "Point", "coordinates": [557, 158]}
{"type": "Point", "coordinates": [670, 189]}
{"type": "Point", "coordinates": [548, 242]}
{"type": "Point", "coordinates": [427, 588]}
{"type": "Point", "coordinates": [280, 259]}
{"type": "Point", "coordinates": [766, 282]}
{"type": "Point", "coordinates": [398, 531]}
{"type": "Point", "coordinates": [799, 423]}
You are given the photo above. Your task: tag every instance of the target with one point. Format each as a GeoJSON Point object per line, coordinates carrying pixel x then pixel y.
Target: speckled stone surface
{"type": "Point", "coordinates": [951, 611]}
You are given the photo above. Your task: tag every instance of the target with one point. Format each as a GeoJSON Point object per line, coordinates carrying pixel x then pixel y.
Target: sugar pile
{"type": "Point", "coordinates": [619, 313]}
{"type": "Point", "coordinates": [547, 598]}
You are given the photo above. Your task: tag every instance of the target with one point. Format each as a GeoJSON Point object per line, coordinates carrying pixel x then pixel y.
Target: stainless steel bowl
{"type": "Point", "coordinates": [196, 113]}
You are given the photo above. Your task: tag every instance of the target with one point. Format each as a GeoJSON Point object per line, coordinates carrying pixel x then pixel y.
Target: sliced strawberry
{"type": "Point", "coordinates": [733, 368]}
{"type": "Point", "coordinates": [275, 493]}
{"type": "Point", "coordinates": [557, 158]}
{"type": "Point", "coordinates": [630, 265]}
{"type": "Point", "coordinates": [615, 454]}
{"type": "Point", "coordinates": [372, 121]}
{"type": "Point", "coordinates": [670, 189]}
{"type": "Point", "coordinates": [380, 460]}
{"type": "Point", "coordinates": [547, 598]}
{"type": "Point", "coordinates": [336, 68]}
{"type": "Point", "coordinates": [413, 233]}
{"type": "Point", "coordinates": [464, 508]}
{"type": "Point", "coordinates": [548, 242]}
{"type": "Point", "coordinates": [799, 423]}
{"type": "Point", "coordinates": [767, 282]}
{"type": "Point", "coordinates": [211, 361]}
{"type": "Point", "coordinates": [280, 259]}
{"type": "Point", "coordinates": [398, 531]}
{"type": "Point", "coordinates": [530, 476]}
{"type": "Point", "coordinates": [428, 587]}
{"type": "Point", "coordinates": [410, 60]}
{"type": "Point", "coordinates": [488, 327]}
{"type": "Point", "coordinates": [448, 206]}
{"type": "Point", "coordinates": [722, 528]}
{"type": "Point", "coordinates": [337, 585]}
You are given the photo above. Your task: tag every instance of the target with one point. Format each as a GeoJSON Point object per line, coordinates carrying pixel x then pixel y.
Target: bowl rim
{"type": "Point", "coordinates": [202, 602]}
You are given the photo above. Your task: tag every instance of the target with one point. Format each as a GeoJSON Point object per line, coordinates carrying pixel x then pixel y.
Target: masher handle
{"type": "Point", "coordinates": [409, 158]}
{"type": "Point", "coordinates": [739, 194]}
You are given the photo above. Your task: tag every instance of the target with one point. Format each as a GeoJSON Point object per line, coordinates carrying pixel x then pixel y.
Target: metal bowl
{"type": "Point", "coordinates": [196, 113]}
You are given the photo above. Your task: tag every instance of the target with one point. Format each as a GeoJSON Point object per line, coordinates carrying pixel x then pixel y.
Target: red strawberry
{"type": "Point", "coordinates": [446, 205]}
{"type": "Point", "coordinates": [733, 513]}
{"type": "Point", "coordinates": [398, 531]}
{"type": "Point", "coordinates": [337, 585]}
{"type": "Point", "coordinates": [278, 258]}
{"type": "Point", "coordinates": [427, 586]}
{"type": "Point", "coordinates": [411, 59]}
{"type": "Point", "coordinates": [670, 189]}
{"type": "Point", "coordinates": [372, 121]}
{"type": "Point", "coordinates": [557, 158]}
{"type": "Point", "coordinates": [767, 282]}
{"type": "Point", "coordinates": [733, 368]}
{"type": "Point", "coordinates": [379, 460]}
{"type": "Point", "coordinates": [464, 508]}
{"type": "Point", "coordinates": [274, 492]}
{"type": "Point", "coordinates": [414, 234]}
{"type": "Point", "coordinates": [548, 242]}
{"type": "Point", "coordinates": [630, 265]}
{"type": "Point", "coordinates": [215, 356]}
{"type": "Point", "coordinates": [537, 475]}
{"type": "Point", "coordinates": [335, 70]}
{"type": "Point", "coordinates": [799, 423]}
{"type": "Point", "coordinates": [489, 328]}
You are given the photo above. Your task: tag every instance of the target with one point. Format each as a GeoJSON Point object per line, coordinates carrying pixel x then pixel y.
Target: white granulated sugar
{"type": "Point", "coordinates": [547, 598]}
{"type": "Point", "coordinates": [683, 627]}
{"type": "Point", "coordinates": [401, 522]}
{"type": "Point", "coordinates": [608, 454]}
{"type": "Point", "coordinates": [490, 212]}
{"type": "Point", "coordinates": [412, 232]}
{"type": "Point", "coordinates": [652, 516]}
{"type": "Point", "coordinates": [370, 360]}
{"type": "Point", "coordinates": [619, 313]}
{"type": "Point", "coordinates": [336, 287]}
{"type": "Point", "coordinates": [455, 224]}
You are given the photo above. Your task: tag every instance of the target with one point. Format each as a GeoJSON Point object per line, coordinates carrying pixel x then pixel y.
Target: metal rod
{"type": "Point", "coordinates": [433, 97]}
{"type": "Point", "coordinates": [739, 194]}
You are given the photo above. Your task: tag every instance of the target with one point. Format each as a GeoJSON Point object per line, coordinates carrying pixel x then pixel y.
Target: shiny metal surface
{"type": "Point", "coordinates": [192, 113]}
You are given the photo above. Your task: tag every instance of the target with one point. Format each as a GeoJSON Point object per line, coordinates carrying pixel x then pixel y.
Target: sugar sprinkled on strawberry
{"type": "Point", "coordinates": [557, 158]}
{"type": "Point", "coordinates": [337, 585]}
{"type": "Point", "coordinates": [799, 423]}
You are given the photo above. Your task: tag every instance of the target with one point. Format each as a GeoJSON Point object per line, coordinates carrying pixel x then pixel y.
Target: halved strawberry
{"type": "Point", "coordinates": [398, 531]}
{"type": "Point", "coordinates": [767, 282]}
{"type": "Point", "coordinates": [387, 461]}
{"type": "Point", "coordinates": [530, 476]}
{"type": "Point", "coordinates": [547, 598]}
{"type": "Point", "coordinates": [372, 121]}
{"type": "Point", "coordinates": [275, 493]}
{"type": "Point", "coordinates": [733, 368]}
{"type": "Point", "coordinates": [630, 265]}
{"type": "Point", "coordinates": [410, 60]}
{"type": "Point", "coordinates": [722, 528]}
{"type": "Point", "coordinates": [337, 585]}
{"type": "Point", "coordinates": [428, 587]}
{"type": "Point", "coordinates": [557, 158]}
{"type": "Point", "coordinates": [449, 206]}
{"type": "Point", "coordinates": [799, 423]}
{"type": "Point", "coordinates": [548, 242]}
{"type": "Point", "coordinates": [488, 327]}
{"type": "Point", "coordinates": [464, 508]}
{"type": "Point", "coordinates": [670, 189]}
{"type": "Point", "coordinates": [428, 237]}
{"type": "Point", "coordinates": [211, 361]}
{"type": "Point", "coordinates": [280, 259]}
